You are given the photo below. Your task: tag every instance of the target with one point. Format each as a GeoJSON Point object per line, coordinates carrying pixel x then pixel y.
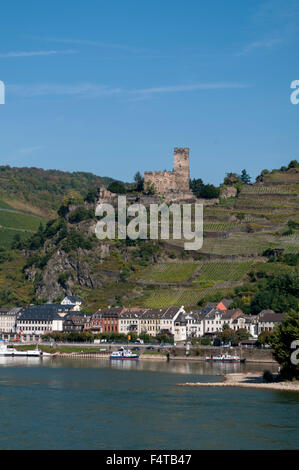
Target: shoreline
{"type": "Point", "coordinates": [247, 380]}
{"type": "Point", "coordinates": [157, 357]}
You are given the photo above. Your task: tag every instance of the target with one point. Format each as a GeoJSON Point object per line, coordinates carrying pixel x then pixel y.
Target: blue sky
{"type": "Point", "coordinates": [112, 87]}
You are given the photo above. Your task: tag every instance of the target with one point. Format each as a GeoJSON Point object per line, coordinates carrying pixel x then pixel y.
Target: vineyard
{"type": "Point", "coordinates": [170, 272]}
{"type": "Point", "coordinates": [223, 271]}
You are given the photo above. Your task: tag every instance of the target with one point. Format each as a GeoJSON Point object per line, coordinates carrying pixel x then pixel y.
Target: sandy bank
{"type": "Point", "coordinates": [247, 380]}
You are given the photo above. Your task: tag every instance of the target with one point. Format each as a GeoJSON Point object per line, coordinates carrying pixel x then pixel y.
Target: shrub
{"type": "Point", "coordinates": [268, 376]}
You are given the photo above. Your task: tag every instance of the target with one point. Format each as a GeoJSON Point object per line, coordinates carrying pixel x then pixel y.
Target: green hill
{"type": "Point", "coordinates": [39, 192]}
{"type": "Point", "coordinates": [248, 239]}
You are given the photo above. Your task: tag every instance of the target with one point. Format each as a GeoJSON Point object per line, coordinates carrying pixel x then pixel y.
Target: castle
{"type": "Point", "coordinates": [170, 182]}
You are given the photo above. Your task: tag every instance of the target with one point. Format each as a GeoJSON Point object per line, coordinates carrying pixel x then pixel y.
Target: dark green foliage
{"type": "Point", "coordinates": [139, 182]}
{"type": "Point", "coordinates": [205, 191]}
{"type": "Point", "coordinates": [62, 278]}
{"type": "Point", "coordinates": [268, 376]}
{"type": "Point", "coordinates": [293, 164]}
{"type": "Point", "coordinates": [46, 188]}
{"type": "Point", "coordinates": [80, 214]}
{"type": "Point", "coordinates": [245, 178]}
{"type": "Point", "coordinates": [75, 240]}
{"type": "Point", "coordinates": [281, 341]}
{"type": "Point", "coordinates": [117, 187]}
{"type": "Point", "coordinates": [277, 255]}
{"type": "Point", "coordinates": [264, 338]}
{"type": "Point", "coordinates": [91, 196]}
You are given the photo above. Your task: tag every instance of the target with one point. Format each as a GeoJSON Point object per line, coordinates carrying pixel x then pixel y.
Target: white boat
{"type": "Point", "coordinates": [12, 352]}
{"type": "Point", "coordinates": [224, 358]}
{"type": "Point", "coordinates": [123, 353]}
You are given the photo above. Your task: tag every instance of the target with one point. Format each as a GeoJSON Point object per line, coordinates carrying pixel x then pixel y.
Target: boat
{"type": "Point", "coordinates": [225, 358]}
{"type": "Point", "coordinates": [123, 353]}
{"type": "Point", "coordinates": [12, 352]}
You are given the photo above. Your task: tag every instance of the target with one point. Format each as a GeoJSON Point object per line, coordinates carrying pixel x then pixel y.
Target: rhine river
{"type": "Point", "coordinates": [95, 404]}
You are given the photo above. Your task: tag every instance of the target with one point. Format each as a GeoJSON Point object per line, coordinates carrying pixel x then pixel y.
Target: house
{"type": "Point", "coordinates": [110, 318]}
{"type": "Point", "coordinates": [180, 327]}
{"type": "Point", "coordinates": [8, 320]}
{"type": "Point", "coordinates": [73, 300]}
{"type": "Point", "coordinates": [130, 321]}
{"type": "Point", "coordinates": [149, 321]}
{"type": "Point", "coordinates": [38, 320]}
{"type": "Point", "coordinates": [246, 322]}
{"type": "Point", "coordinates": [74, 322]}
{"type": "Point", "coordinates": [195, 324]}
{"type": "Point", "coordinates": [267, 319]}
{"type": "Point", "coordinates": [94, 323]}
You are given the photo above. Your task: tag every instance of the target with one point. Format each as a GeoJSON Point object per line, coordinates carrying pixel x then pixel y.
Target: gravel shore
{"type": "Point", "coordinates": [247, 380]}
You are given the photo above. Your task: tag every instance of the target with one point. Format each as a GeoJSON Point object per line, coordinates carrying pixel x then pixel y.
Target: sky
{"type": "Point", "coordinates": [112, 87]}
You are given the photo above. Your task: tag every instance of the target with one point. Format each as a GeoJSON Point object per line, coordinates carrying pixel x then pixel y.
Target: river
{"type": "Point", "coordinates": [97, 404]}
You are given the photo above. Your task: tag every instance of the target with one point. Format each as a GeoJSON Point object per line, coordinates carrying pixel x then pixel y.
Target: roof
{"type": "Point", "coordinates": [73, 298]}
{"type": "Point", "coordinates": [112, 312]}
{"type": "Point", "coordinates": [226, 302]}
{"type": "Point", "coordinates": [270, 316]}
{"type": "Point", "coordinates": [210, 306]}
{"type": "Point", "coordinates": [227, 314]}
{"type": "Point", "coordinates": [43, 312]}
{"type": "Point", "coordinates": [8, 311]}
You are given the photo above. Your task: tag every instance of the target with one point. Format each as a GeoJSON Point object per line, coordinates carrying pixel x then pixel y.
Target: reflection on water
{"type": "Point", "coordinates": [66, 403]}
{"type": "Point", "coordinates": [173, 366]}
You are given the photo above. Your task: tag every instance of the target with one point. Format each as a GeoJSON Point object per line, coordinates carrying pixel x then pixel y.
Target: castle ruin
{"type": "Point", "coordinates": [174, 182]}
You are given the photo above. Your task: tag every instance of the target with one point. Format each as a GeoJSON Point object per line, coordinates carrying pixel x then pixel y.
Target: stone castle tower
{"type": "Point", "coordinates": [176, 181]}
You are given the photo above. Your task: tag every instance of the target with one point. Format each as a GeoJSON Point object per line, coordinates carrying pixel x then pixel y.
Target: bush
{"type": "Point", "coordinates": [117, 187]}
{"type": "Point", "coordinates": [268, 376]}
{"type": "Point", "coordinates": [80, 214]}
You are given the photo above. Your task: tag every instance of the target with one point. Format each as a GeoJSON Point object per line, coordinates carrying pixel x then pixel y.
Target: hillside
{"type": "Point", "coordinates": [30, 196]}
{"type": "Point", "coordinates": [39, 192]}
{"type": "Point", "coordinates": [65, 257]}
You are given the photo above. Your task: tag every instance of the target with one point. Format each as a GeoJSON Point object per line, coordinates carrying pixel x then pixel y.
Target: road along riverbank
{"type": "Point", "coordinates": [247, 380]}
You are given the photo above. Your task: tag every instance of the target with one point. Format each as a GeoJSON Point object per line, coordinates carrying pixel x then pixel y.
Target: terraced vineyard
{"type": "Point", "coordinates": [13, 222]}
{"type": "Point", "coordinates": [219, 227]}
{"type": "Point", "coordinates": [223, 271]}
{"type": "Point", "coordinates": [170, 272]}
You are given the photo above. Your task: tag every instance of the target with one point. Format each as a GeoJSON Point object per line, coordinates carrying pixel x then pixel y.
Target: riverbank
{"type": "Point", "coordinates": [247, 380]}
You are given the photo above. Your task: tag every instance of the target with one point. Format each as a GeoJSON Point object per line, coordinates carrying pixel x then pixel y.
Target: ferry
{"type": "Point", "coordinates": [123, 353]}
{"type": "Point", "coordinates": [225, 358]}
{"type": "Point", "coordinates": [12, 352]}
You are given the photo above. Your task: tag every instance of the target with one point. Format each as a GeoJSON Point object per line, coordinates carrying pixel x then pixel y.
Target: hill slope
{"type": "Point", "coordinates": [39, 191]}
{"type": "Point", "coordinates": [65, 257]}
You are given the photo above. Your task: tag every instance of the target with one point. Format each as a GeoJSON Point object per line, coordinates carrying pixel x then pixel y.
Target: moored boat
{"type": "Point", "coordinates": [12, 352]}
{"type": "Point", "coordinates": [123, 353]}
{"type": "Point", "coordinates": [225, 358]}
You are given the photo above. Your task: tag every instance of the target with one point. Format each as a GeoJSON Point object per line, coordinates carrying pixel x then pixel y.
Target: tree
{"type": "Point", "coordinates": [245, 177]}
{"type": "Point", "coordinates": [201, 190]}
{"type": "Point", "coordinates": [117, 187]}
{"type": "Point", "coordinates": [231, 179]}
{"type": "Point", "coordinates": [264, 338]}
{"type": "Point", "coordinates": [281, 341]}
{"type": "Point", "coordinates": [139, 180]}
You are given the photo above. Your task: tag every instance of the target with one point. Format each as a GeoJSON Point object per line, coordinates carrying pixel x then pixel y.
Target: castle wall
{"type": "Point", "coordinates": [172, 181]}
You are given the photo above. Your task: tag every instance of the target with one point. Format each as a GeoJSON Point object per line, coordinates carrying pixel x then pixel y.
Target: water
{"type": "Point", "coordinates": [95, 404]}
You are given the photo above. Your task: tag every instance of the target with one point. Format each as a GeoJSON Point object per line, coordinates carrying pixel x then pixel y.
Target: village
{"type": "Point", "coordinates": [31, 324]}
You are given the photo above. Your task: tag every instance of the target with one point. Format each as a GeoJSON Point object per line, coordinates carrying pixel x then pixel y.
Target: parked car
{"type": "Point", "coordinates": [151, 348]}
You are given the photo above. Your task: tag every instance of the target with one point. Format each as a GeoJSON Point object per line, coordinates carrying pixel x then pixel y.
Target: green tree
{"type": "Point", "coordinates": [281, 341]}
{"type": "Point", "coordinates": [139, 181]}
{"type": "Point", "coordinates": [117, 187]}
{"type": "Point", "coordinates": [245, 177]}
